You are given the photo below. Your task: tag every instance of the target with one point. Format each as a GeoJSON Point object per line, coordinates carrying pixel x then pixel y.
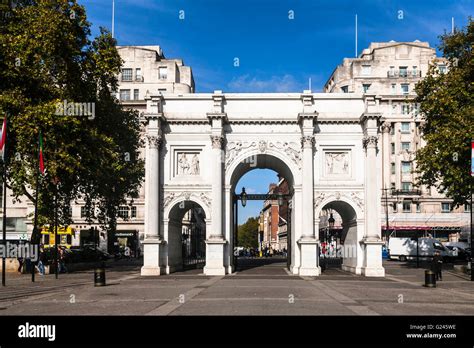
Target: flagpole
{"type": "Point", "coordinates": [35, 220]}
{"type": "Point", "coordinates": [4, 221]}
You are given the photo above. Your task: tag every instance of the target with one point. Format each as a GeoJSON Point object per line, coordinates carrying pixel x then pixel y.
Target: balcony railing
{"type": "Point", "coordinates": [404, 73]}
{"type": "Point", "coordinates": [406, 192]}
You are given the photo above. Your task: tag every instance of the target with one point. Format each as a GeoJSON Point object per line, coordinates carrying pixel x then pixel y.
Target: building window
{"type": "Point", "coordinates": [418, 207]}
{"type": "Point", "coordinates": [138, 74]}
{"type": "Point", "coordinates": [394, 207]}
{"type": "Point", "coordinates": [414, 72]}
{"type": "Point", "coordinates": [394, 88]}
{"type": "Point", "coordinates": [405, 127]}
{"type": "Point", "coordinates": [136, 94]}
{"type": "Point", "coordinates": [405, 87]}
{"type": "Point", "coordinates": [406, 186]}
{"type": "Point", "coordinates": [406, 167]}
{"type": "Point", "coordinates": [392, 185]}
{"type": "Point", "coordinates": [442, 69]}
{"type": "Point", "coordinates": [123, 212]}
{"type": "Point", "coordinates": [133, 212]}
{"type": "Point", "coordinates": [124, 94]}
{"type": "Point", "coordinates": [405, 109]}
{"type": "Point", "coordinates": [393, 148]}
{"type": "Point", "coordinates": [445, 207]}
{"type": "Point", "coordinates": [391, 72]}
{"type": "Point", "coordinates": [366, 70]}
{"type": "Point", "coordinates": [345, 89]}
{"type": "Point", "coordinates": [403, 71]}
{"type": "Point", "coordinates": [162, 73]}
{"type": "Point", "coordinates": [83, 212]}
{"type": "Point", "coordinates": [467, 208]}
{"type": "Point", "coordinates": [406, 146]}
{"type": "Point", "coordinates": [126, 74]}
{"type": "Point", "coordinates": [392, 129]}
{"type": "Point", "coordinates": [365, 87]}
{"type": "Point", "coordinates": [406, 206]}
{"type": "Point", "coordinates": [392, 165]}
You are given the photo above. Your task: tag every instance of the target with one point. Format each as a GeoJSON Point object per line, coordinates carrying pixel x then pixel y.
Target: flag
{"type": "Point", "coordinates": [41, 158]}
{"type": "Point", "coordinates": [472, 158]}
{"type": "Point", "coordinates": [3, 137]}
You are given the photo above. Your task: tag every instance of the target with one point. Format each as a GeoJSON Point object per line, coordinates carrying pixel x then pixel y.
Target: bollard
{"type": "Point", "coordinates": [99, 276]}
{"type": "Point", "coordinates": [430, 279]}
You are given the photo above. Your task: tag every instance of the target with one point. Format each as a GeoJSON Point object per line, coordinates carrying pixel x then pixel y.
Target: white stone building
{"type": "Point", "coordinates": [390, 71]}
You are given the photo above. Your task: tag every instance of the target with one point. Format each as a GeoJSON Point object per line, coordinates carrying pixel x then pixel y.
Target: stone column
{"type": "Point", "coordinates": [216, 241]}
{"type": "Point", "coordinates": [153, 240]}
{"type": "Point", "coordinates": [372, 241]}
{"type": "Point", "coordinates": [308, 242]}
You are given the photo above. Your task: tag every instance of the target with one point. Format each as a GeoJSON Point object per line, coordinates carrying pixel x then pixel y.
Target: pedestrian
{"type": "Point", "coordinates": [20, 264]}
{"type": "Point", "coordinates": [62, 260]}
{"type": "Point", "coordinates": [41, 259]}
{"type": "Point", "coordinates": [437, 265]}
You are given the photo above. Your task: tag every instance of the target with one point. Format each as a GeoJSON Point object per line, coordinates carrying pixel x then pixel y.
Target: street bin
{"type": "Point", "coordinates": [99, 276]}
{"type": "Point", "coordinates": [430, 279]}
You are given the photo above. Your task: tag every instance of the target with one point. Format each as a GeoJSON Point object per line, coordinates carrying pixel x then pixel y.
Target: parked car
{"type": "Point", "coordinates": [458, 253]}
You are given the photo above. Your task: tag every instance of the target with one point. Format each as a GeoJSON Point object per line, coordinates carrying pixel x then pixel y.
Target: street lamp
{"type": "Point", "coordinates": [243, 197]}
{"type": "Point", "coordinates": [280, 199]}
{"type": "Point", "coordinates": [331, 221]}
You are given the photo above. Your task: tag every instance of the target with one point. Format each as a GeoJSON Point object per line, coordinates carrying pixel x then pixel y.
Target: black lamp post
{"type": "Point", "coordinates": [331, 221]}
{"type": "Point", "coordinates": [330, 225]}
{"type": "Point", "coordinates": [243, 197]}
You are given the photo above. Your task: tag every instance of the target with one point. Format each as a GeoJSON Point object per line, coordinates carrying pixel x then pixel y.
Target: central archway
{"type": "Point", "coordinates": [237, 169]}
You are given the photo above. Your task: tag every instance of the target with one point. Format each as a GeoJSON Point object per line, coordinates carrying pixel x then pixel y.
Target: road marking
{"type": "Point", "coordinates": [174, 304]}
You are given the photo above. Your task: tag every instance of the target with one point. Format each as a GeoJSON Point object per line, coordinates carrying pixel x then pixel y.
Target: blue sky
{"type": "Point", "coordinates": [276, 53]}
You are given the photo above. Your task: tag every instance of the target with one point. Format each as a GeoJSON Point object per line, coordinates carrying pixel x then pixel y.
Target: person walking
{"type": "Point", "coordinates": [21, 262]}
{"type": "Point", "coordinates": [437, 265]}
{"type": "Point", "coordinates": [62, 260]}
{"type": "Point", "coordinates": [41, 260]}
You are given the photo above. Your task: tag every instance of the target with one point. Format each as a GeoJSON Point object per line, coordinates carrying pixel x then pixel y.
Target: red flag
{"type": "Point", "coordinates": [41, 159]}
{"type": "Point", "coordinates": [3, 138]}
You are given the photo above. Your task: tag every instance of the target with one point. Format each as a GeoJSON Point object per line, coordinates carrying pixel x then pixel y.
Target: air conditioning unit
{"type": "Point", "coordinates": [139, 78]}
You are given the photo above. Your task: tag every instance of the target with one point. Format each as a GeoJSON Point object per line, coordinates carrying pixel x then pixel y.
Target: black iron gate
{"type": "Point", "coordinates": [193, 243]}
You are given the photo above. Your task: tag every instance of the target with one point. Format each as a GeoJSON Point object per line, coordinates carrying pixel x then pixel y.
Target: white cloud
{"type": "Point", "coordinates": [246, 83]}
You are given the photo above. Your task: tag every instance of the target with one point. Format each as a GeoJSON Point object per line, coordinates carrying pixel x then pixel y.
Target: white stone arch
{"type": "Point", "coordinates": [171, 257]}
{"type": "Point", "coordinates": [333, 198]}
{"type": "Point", "coordinates": [353, 253]}
{"type": "Point", "coordinates": [273, 152]}
{"type": "Point", "coordinates": [181, 197]}
{"type": "Point", "coordinates": [284, 166]}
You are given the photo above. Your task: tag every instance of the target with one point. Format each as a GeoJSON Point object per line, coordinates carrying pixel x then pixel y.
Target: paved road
{"type": "Point", "coordinates": [261, 287]}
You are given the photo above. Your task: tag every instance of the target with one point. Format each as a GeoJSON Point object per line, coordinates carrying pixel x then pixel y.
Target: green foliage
{"type": "Point", "coordinates": [46, 57]}
{"type": "Point", "coordinates": [446, 103]}
{"type": "Point", "coordinates": [248, 233]}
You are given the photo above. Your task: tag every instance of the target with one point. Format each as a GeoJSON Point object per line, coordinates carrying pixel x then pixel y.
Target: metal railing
{"type": "Point", "coordinates": [404, 73]}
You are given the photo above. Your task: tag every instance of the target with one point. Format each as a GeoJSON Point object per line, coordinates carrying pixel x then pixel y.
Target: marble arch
{"type": "Point", "coordinates": [199, 145]}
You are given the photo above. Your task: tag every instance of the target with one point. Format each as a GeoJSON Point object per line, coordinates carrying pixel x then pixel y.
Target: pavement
{"type": "Point", "coordinates": [260, 287]}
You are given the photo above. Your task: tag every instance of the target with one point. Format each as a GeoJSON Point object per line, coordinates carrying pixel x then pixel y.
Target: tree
{"type": "Point", "coordinates": [248, 233]}
{"type": "Point", "coordinates": [47, 60]}
{"type": "Point", "coordinates": [446, 103]}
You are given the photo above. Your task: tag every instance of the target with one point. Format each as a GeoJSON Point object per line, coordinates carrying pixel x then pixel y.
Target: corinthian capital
{"type": "Point", "coordinates": [370, 142]}
{"type": "Point", "coordinates": [154, 141]}
{"type": "Point", "coordinates": [217, 141]}
{"type": "Point", "coordinates": [307, 141]}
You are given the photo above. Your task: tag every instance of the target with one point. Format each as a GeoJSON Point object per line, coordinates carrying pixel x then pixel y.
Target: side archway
{"type": "Point", "coordinates": [348, 238]}
{"type": "Point", "coordinates": [185, 227]}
